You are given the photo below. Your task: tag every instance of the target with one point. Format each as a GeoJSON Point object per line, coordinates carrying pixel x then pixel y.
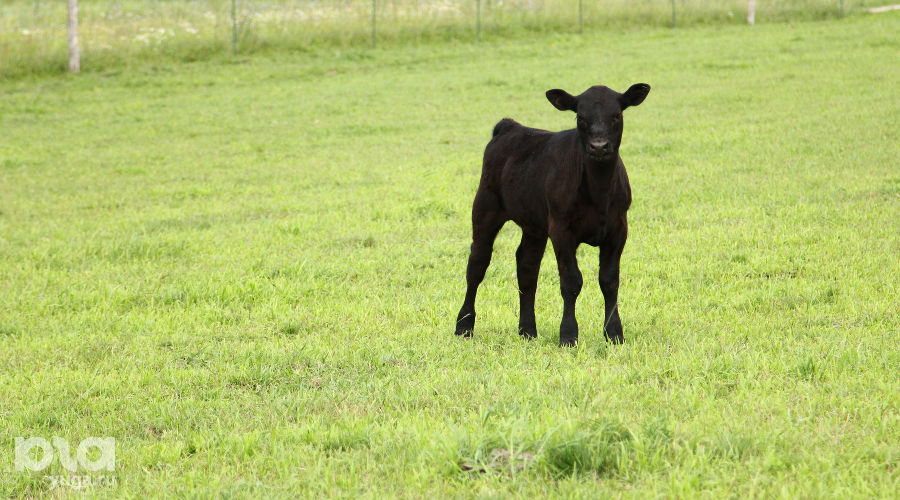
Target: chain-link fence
{"type": "Point", "coordinates": [33, 32]}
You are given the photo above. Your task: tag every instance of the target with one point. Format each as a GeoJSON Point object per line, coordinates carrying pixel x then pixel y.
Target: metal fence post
{"type": "Point", "coordinates": [673, 14]}
{"type": "Point", "coordinates": [581, 16]}
{"type": "Point", "coordinates": [72, 36]}
{"type": "Point", "coordinates": [234, 28]}
{"type": "Point", "coordinates": [478, 20]}
{"type": "Point", "coordinates": [374, 28]}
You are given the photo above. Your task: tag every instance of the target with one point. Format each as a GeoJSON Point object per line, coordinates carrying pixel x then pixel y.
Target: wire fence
{"type": "Point", "coordinates": [33, 32]}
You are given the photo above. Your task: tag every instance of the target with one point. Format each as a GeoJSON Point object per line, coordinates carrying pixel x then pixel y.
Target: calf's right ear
{"type": "Point", "coordinates": [563, 100]}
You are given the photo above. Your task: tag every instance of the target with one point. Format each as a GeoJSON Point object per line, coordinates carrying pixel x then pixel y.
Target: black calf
{"type": "Point", "coordinates": [570, 186]}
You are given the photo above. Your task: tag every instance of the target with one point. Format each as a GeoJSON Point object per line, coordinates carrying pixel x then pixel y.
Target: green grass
{"type": "Point", "coordinates": [117, 34]}
{"type": "Point", "coordinates": [248, 273]}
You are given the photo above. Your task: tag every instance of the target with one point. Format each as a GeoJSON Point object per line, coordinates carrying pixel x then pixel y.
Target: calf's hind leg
{"type": "Point", "coordinates": [528, 266]}
{"type": "Point", "coordinates": [487, 219]}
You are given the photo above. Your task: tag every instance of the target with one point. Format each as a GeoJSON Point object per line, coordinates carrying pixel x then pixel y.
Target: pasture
{"type": "Point", "coordinates": [247, 272]}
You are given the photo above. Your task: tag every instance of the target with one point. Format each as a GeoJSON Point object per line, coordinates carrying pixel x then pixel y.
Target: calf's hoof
{"type": "Point", "coordinates": [568, 342]}
{"type": "Point", "coordinates": [568, 334]}
{"type": "Point", "coordinates": [528, 332]}
{"type": "Point", "coordinates": [465, 324]}
{"type": "Point", "coordinates": [616, 339]}
{"type": "Point", "coordinates": [614, 334]}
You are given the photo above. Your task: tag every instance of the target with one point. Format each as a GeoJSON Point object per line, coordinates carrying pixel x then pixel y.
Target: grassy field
{"type": "Point", "coordinates": [248, 273]}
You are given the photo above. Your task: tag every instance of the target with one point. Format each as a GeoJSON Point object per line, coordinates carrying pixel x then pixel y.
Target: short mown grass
{"type": "Point", "coordinates": [247, 272]}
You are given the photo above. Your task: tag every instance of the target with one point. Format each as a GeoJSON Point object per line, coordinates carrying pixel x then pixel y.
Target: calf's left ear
{"type": "Point", "coordinates": [635, 95]}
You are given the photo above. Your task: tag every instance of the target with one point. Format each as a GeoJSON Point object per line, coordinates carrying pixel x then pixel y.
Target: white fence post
{"type": "Point", "coordinates": [581, 16]}
{"type": "Point", "coordinates": [374, 21]}
{"type": "Point", "coordinates": [234, 28]}
{"type": "Point", "coordinates": [751, 11]}
{"type": "Point", "coordinates": [478, 20]}
{"type": "Point", "coordinates": [72, 35]}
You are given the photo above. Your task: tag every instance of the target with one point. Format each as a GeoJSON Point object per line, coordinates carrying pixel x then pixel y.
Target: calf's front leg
{"type": "Point", "coordinates": [570, 282]}
{"type": "Point", "coordinates": [610, 255]}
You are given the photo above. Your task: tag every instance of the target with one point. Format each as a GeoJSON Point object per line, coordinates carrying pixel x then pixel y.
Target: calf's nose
{"type": "Point", "coordinates": [599, 146]}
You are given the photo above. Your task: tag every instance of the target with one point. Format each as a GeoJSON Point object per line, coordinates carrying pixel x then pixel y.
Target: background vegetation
{"type": "Point", "coordinates": [123, 33]}
{"type": "Point", "coordinates": [247, 272]}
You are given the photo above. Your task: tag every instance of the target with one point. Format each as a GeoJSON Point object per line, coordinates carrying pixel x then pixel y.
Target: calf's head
{"type": "Point", "coordinates": [599, 115]}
